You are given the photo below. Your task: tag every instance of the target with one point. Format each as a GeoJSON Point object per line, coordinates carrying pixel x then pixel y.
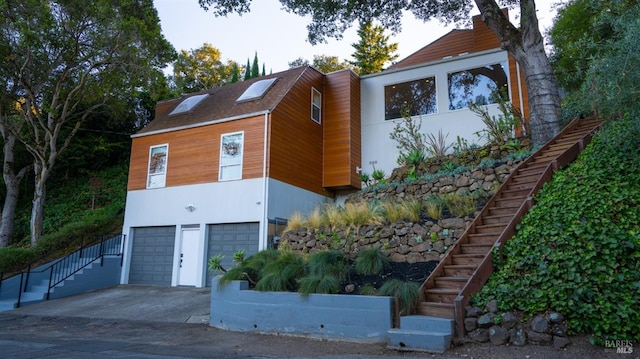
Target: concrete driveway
{"type": "Point", "coordinates": [131, 302]}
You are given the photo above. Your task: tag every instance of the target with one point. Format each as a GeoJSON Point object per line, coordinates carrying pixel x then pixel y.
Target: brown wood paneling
{"type": "Point", "coordinates": [483, 37]}
{"type": "Point", "coordinates": [452, 44]}
{"type": "Point", "coordinates": [194, 154]}
{"type": "Point", "coordinates": [342, 131]}
{"type": "Point", "coordinates": [295, 140]}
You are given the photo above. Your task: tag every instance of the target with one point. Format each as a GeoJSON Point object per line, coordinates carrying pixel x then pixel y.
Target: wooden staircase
{"type": "Point", "coordinates": [468, 264]}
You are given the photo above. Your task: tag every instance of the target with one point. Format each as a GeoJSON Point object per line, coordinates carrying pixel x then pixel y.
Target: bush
{"type": "Point", "coordinates": [408, 293]}
{"type": "Point", "coordinates": [577, 250]}
{"type": "Point", "coordinates": [370, 261]}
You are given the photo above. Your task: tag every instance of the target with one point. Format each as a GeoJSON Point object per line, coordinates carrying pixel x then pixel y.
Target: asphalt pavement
{"type": "Point", "coordinates": [152, 322]}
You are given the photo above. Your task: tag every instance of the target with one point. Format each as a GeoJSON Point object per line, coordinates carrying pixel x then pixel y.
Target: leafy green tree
{"type": "Point", "coordinates": [373, 50]}
{"type": "Point", "coordinates": [595, 55]}
{"type": "Point", "coordinates": [62, 61]}
{"type": "Point", "coordinates": [523, 42]}
{"type": "Point", "coordinates": [201, 69]}
{"type": "Point", "coordinates": [328, 64]}
{"type": "Point", "coordinates": [298, 62]}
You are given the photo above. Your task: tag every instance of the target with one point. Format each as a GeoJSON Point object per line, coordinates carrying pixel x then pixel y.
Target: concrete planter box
{"type": "Point", "coordinates": [345, 317]}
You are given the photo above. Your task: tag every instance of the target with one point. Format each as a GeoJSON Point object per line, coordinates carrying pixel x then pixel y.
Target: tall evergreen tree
{"type": "Point", "coordinates": [235, 76]}
{"type": "Point", "coordinates": [373, 50]}
{"type": "Point", "coordinates": [247, 71]}
{"type": "Point", "coordinates": [255, 68]}
{"type": "Point", "coordinates": [264, 71]}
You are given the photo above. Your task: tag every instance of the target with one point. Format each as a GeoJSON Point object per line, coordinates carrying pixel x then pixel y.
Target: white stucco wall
{"type": "Point", "coordinates": [376, 144]}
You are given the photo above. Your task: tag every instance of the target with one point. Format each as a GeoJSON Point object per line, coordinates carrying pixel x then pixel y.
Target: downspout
{"type": "Point", "coordinates": [264, 228]}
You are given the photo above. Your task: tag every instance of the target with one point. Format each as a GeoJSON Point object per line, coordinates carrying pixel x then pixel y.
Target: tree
{"type": "Point", "coordinates": [235, 74]}
{"type": "Point", "coordinates": [373, 50]}
{"type": "Point", "coordinates": [596, 46]}
{"type": "Point", "coordinates": [328, 64]}
{"type": "Point", "coordinates": [201, 69]}
{"type": "Point", "coordinates": [62, 60]}
{"type": "Point", "coordinates": [298, 62]}
{"type": "Point", "coordinates": [524, 43]}
{"type": "Point", "coordinates": [255, 68]}
{"type": "Point", "coordinates": [247, 71]}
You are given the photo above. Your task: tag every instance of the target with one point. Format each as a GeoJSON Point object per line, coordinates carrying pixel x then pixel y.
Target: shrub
{"type": "Point", "coordinates": [280, 274]}
{"type": "Point", "coordinates": [315, 220]}
{"type": "Point", "coordinates": [361, 213]}
{"type": "Point", "coordinates": [408, 293]}
{"type": "Point", "coordinates": [460, 205]}
{"type": "Point", "coordinates": [368, 289]}
{"type": "Point", "coordinates": [324, 284]}
{"type": "Point", "coordinates": [370, 261]}
{"type": "Point", "coordinates": [437, 146]}
{"type": "Point", "coordinates": [296, 221]}
{"type": "Point", "coordinates": [434, 207]}
{"type": "Point", "coordinates": [328, 262]}
{"type": "Point", "coordinates": [408, 136]}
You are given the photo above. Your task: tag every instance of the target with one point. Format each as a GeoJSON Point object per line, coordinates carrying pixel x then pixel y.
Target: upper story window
{"type": "Point", "coordinates": [316, 105]}
{"type": "Point", "coordinates": [188, 104]}
{"type": "Point", "coordinates": [412, 98]}
{"type": "Point", "coordinates": [477, 85]}
{"type": "Point", "coordinates": [231, 150]}
{"type": "Point", "coordinates": [157, 173]}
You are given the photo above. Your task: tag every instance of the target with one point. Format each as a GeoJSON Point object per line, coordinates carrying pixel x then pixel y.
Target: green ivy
{"type": "Point", "coordinates": [577, 251]}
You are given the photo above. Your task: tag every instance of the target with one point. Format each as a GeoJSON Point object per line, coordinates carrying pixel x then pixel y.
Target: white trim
{"type": "Point", "coordinates": [166, 165]}
{"type": "Point", "coordinates": [264, 227]}
{"type": "Point", "coordinates": [200, 124]}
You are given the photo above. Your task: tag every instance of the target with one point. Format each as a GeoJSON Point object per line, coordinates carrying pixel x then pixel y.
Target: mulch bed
{"type": "Point", "coordinates": [415, 272]}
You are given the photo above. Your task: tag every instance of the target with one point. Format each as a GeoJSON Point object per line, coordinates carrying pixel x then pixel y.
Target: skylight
{"type": "Point", "coordinates": [256, 90]}
{"type": "Point", "coordinates": [188, 104]}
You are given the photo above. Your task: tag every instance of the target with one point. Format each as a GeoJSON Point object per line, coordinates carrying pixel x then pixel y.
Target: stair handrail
{"type": "Point", "coordinates": [60, 270]}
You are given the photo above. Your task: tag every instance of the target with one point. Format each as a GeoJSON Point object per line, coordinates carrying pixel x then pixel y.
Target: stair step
{"type": "Point", "coordinates": [459, 270]}
{"type": "Point", "coordinates": [426, 323]}
{"type": "Point", "coordinates": [502, 219]}
{"type": "Point", "coordinates": [443, 295]}
{"type": "Point", "coordinates": [490, 228]}
{"type": "Point", "coordinates": [442, 310]}
{"type": "Point", "coordinates": [452, 282]}
{"type": "Point", "coordinates": [504, 210]}
{"type": "Point", "coordinates": [483, 249]}
{"type": "Point", "coordinates": [516, 191]}
{"type": "Point", "coordinates": [474, 258]}
{"type": "Point", "coordinates": [412, 340]}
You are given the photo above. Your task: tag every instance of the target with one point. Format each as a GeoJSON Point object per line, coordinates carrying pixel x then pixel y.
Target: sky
{"type": "Point", "coordinates": [279, 37]}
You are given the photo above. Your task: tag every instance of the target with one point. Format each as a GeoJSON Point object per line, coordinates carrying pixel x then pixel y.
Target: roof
{"type": "Point", "coordinates": [220, 104]}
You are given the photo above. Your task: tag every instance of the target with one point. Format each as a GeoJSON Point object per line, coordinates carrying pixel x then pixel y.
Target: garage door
{"type": "Point", "coordinates": [228, 238]}
{"type": "Point", "coordinates": [152, 255]}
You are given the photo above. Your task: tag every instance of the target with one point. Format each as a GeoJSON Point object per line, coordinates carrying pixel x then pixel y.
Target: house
{"type": "Point", "coordinates": [222, 170]}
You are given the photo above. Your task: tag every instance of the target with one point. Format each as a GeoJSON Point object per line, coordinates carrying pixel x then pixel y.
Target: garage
{"type": "Point", "coordinates": [152, 255]}
{"type": "Point", "coordinates": [228, 238]}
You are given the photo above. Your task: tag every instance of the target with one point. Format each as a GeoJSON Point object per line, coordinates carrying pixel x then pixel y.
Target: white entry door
{"type": "Point", "coordinates": [188, 269]}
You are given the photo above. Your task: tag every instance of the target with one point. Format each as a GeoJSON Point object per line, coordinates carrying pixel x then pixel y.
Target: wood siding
{"type": "Point", "coordinates": [515, 92]}
{"type": "Point", "coordinates": [295, 140]}
{"type": "Point", "coordinates": [452, 44]}
{"type": "Point", "coordinates": [194, 154]}
{"type": "Point", "coordinates": [342, 141]}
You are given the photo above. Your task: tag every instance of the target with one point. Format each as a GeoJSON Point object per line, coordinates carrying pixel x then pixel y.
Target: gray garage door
{"type": "Point", "coordinates": [152, 255]}
{"type": "Point", "coordinates": [228, 238]}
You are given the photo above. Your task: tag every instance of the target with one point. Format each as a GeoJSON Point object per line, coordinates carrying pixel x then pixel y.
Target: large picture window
{"type": "Point", "coordinates": [157, 173]}
{"type": "Point", "coordinates": [480, 85]}
{"type": "Point", "coordinates": [414, 98]}
{"type": "Point", "coordinates": [231, 150]}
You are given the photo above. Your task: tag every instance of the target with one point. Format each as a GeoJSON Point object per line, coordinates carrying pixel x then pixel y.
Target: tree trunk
{"type": "Point", "coordinates": [526, 45]}
{"type": "Point", "coordinates": [37, 205]}
{"type": "Point", "coordinates": [11, 182]}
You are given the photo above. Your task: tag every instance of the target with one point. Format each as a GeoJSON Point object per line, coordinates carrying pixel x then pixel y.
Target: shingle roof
{"type": "Point", "coordinates": [221, 103]}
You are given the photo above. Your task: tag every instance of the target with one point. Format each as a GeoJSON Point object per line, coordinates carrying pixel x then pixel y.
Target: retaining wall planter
{"type": "Point", "coordinates": [328, 316]}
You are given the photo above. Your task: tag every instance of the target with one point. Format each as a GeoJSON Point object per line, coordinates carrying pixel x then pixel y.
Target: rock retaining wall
{"type": "Point", "coordinates": [405, 241]}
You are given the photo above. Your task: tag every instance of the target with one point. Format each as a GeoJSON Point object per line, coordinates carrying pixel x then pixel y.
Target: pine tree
{"type": "Point", "coordinates": [373, 50]}
{"type": "Point", "coordinates": [235, 77]}
{"type": "Point", "coordinates": [247, 71]}
{"type": "Point", "coordinates": [255, 68]}
{"type": "Point", "coordinates": [264, 71]}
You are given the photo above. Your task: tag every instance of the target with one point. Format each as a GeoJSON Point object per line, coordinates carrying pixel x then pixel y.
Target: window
{"type": "Point", "coordinates": [414, 98]}
{"type": "Point", "coordinates": [479, 85]}
{"type": "Point", "coordinates": [257, 90]}
{"type": "Point", "coordinates": [231, 147]}
{"type": "Point", "coordinates": [316, 105]}
{"type": "Point", "coordinates": [157, 173]}
{"type": "Point", "coordinates": [188, 104]}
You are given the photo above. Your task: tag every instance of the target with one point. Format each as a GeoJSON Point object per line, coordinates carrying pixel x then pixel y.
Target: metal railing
{"type": "Point", "coordinates": [63, 268]}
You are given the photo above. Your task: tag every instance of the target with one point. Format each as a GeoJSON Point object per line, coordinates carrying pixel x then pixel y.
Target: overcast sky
{"type": "Point", "coordinates": [279, 37]}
